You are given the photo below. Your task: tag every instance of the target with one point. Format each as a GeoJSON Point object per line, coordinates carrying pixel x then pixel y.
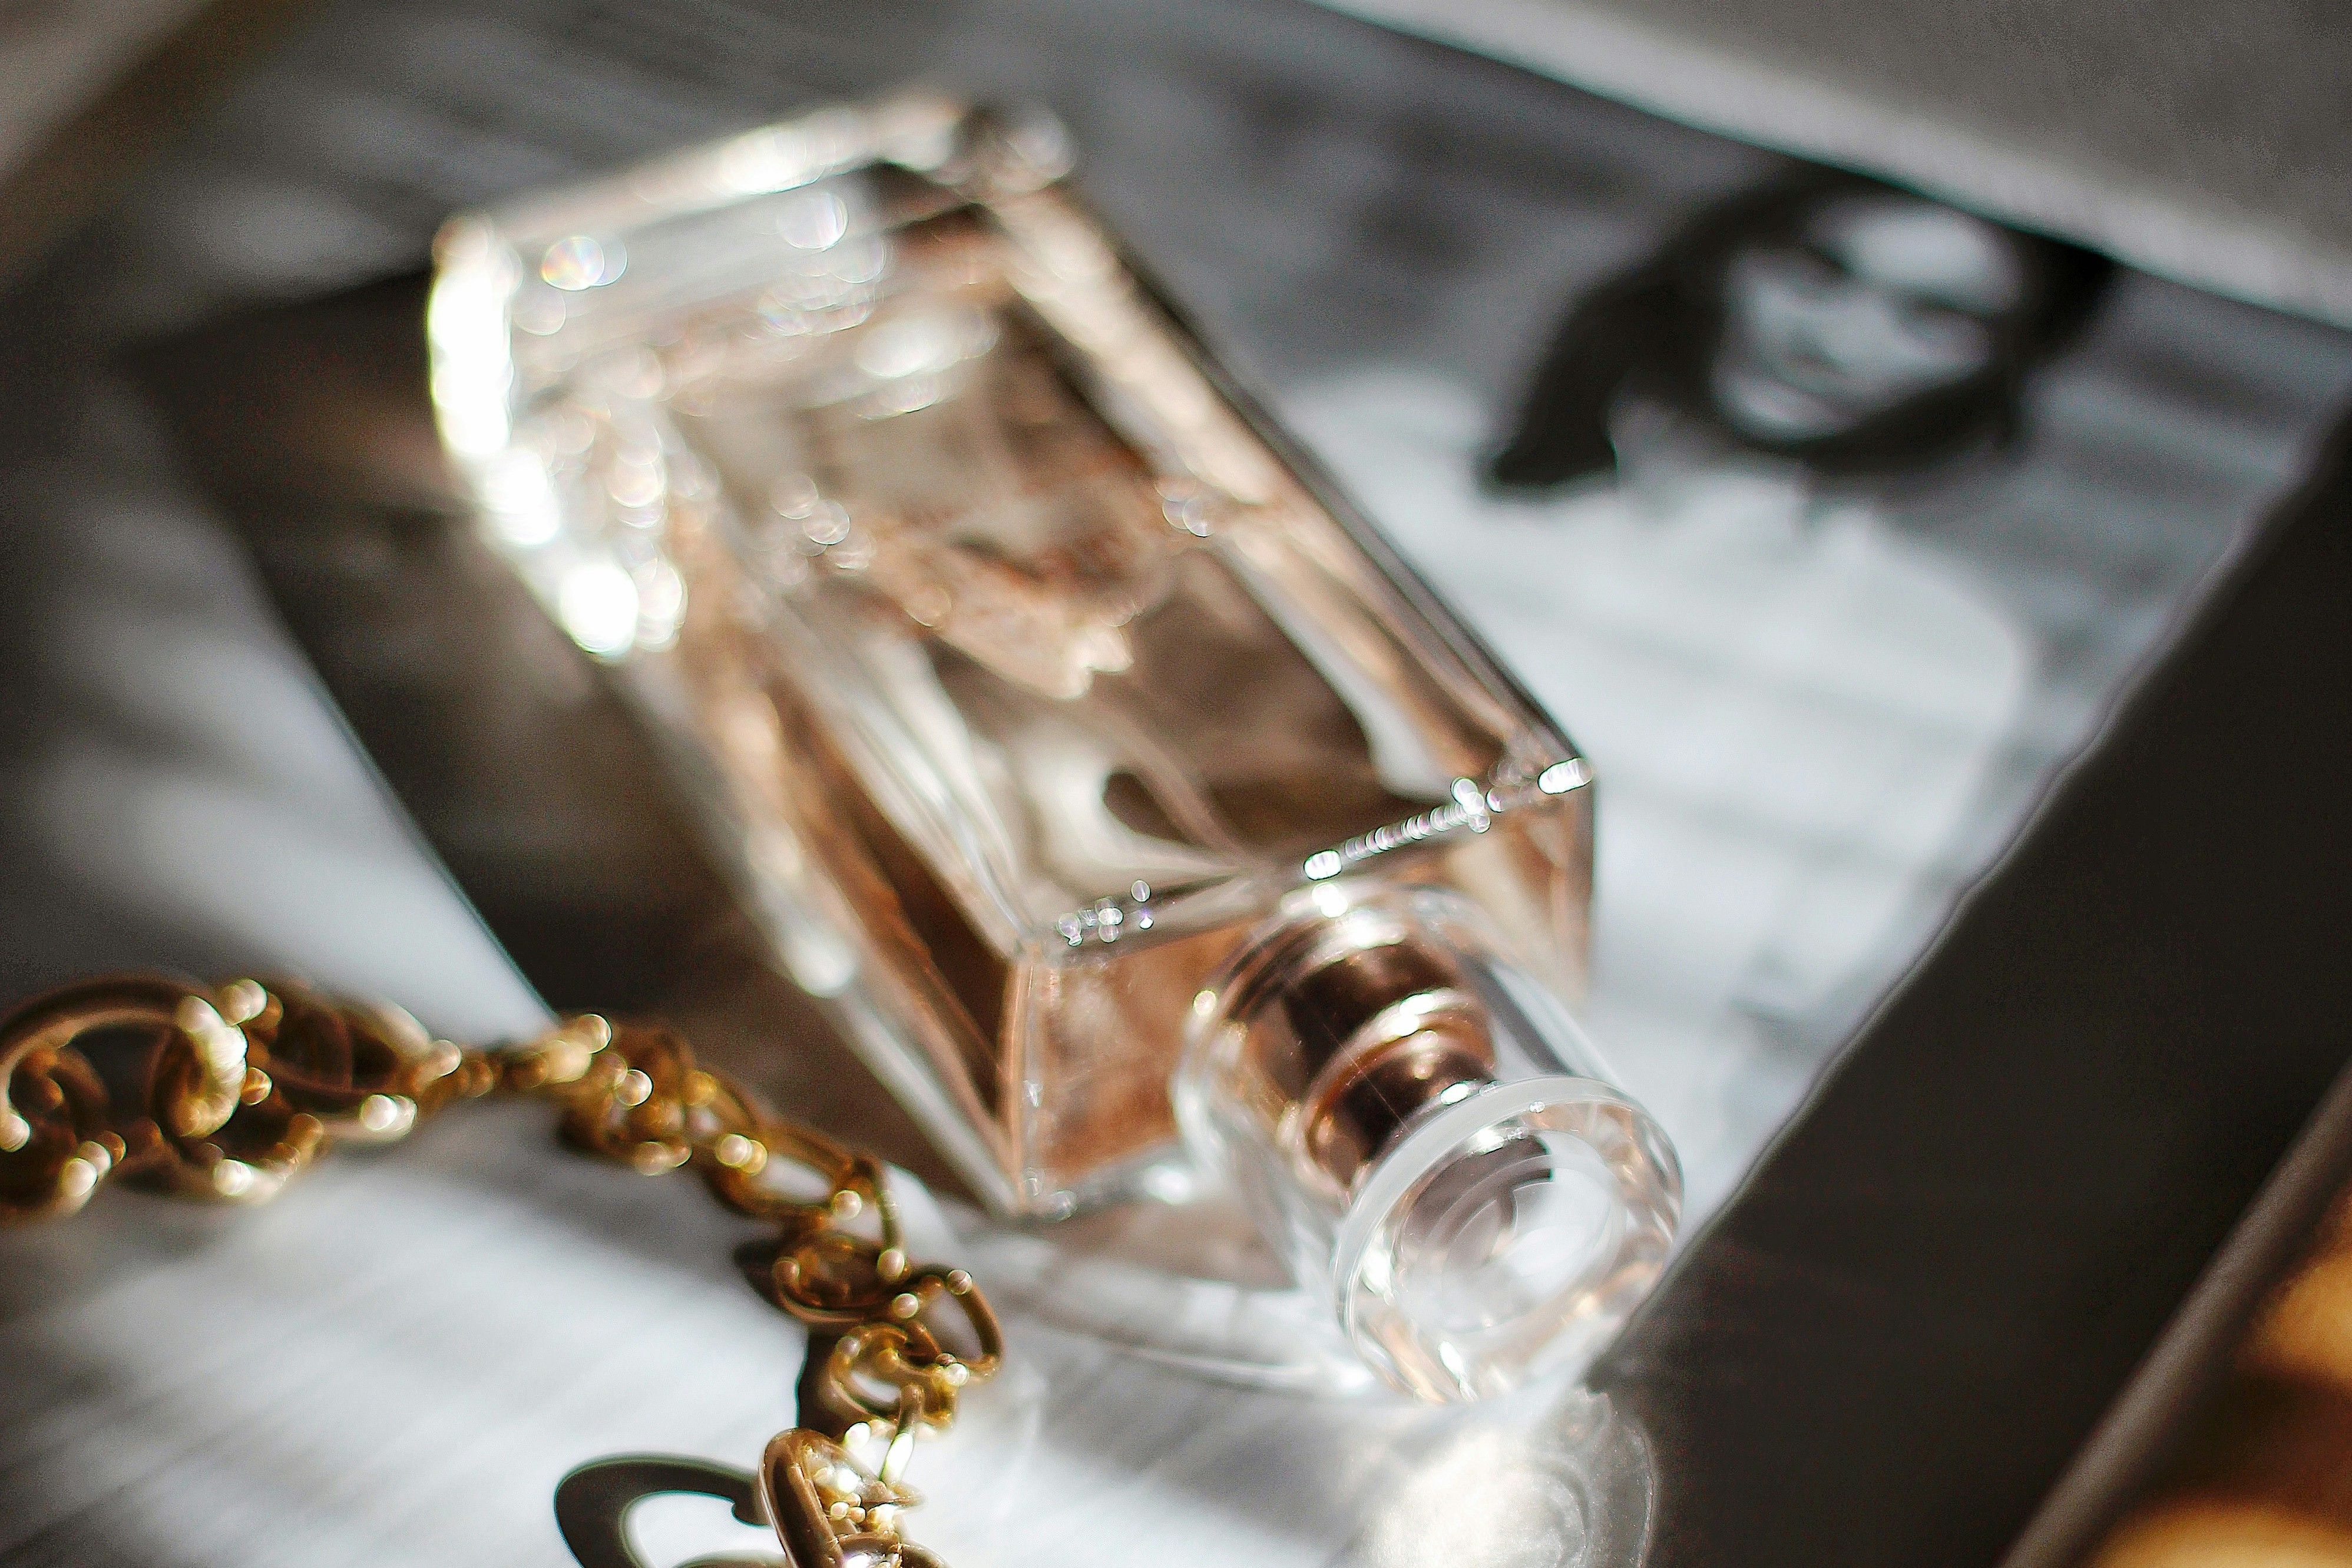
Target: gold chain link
{"type": "Point", "coordinates": [245, 1084]}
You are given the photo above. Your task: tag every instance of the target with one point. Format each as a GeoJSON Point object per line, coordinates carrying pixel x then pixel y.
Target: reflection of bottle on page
{"type": "Point", "coordinates": [1791, 705]}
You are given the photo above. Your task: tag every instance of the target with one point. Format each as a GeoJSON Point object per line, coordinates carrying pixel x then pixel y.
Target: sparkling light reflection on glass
{"type": "Point", "coordinates": [581, 261]}
{"type": "Point", "coordinates": [813, 222]}
{"type": "Point", "coordinates": [521, 499]}
{"type": "Point", "coordinates": [598, 606]}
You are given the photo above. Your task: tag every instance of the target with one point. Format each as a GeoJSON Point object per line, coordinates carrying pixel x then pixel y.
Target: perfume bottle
{"type": "Point", "coordinates": [1140, 818]}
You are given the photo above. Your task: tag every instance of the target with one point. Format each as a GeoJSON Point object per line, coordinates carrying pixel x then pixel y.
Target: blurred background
{"type": "Point", "coordinates": [1835, 518]}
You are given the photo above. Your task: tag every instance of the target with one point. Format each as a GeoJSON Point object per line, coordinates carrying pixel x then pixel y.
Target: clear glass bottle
{"type": "Point", "coordinates": [1049, 714]}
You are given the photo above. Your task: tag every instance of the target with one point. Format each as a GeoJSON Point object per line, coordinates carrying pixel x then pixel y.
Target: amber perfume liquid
{"type": "Point", "coordinates": [1054, 724]}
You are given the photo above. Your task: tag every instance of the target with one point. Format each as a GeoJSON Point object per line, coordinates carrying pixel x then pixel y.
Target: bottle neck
{"type": "Point", "coordinates": [1355, 1027]}
{"type": "Point", "coordinates": [1415, 1126]}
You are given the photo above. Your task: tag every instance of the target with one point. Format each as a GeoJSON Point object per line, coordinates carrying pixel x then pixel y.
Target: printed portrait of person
{"type": "Point", "coordinates": [1826, 320]}
{"type": "Point", "coordinates": [1707, 544]}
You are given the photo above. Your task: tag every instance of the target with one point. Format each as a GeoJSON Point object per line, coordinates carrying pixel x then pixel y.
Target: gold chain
{"type": "Point", "coordinates": [245, 1084]}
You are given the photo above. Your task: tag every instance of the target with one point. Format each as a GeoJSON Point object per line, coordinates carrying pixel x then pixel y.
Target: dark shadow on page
{"type": "Point", "coordinates": [311, 428]}
{"type": "Point", "coordinates": [1887, 1346]}
{"type": "Point", "coordinates": [592, 1504]}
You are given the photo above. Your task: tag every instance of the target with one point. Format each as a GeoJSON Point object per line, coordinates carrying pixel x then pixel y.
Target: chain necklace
{"type": "Point", "coordinates": [245, 1084]}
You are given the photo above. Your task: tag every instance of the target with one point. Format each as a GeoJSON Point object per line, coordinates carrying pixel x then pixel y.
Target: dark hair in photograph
{"type": "Point", "coordinates": [1655, 331]}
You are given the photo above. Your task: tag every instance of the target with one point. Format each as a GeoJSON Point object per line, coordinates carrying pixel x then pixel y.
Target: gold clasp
{"type": "Point", "coordinates": [829, 1511]}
